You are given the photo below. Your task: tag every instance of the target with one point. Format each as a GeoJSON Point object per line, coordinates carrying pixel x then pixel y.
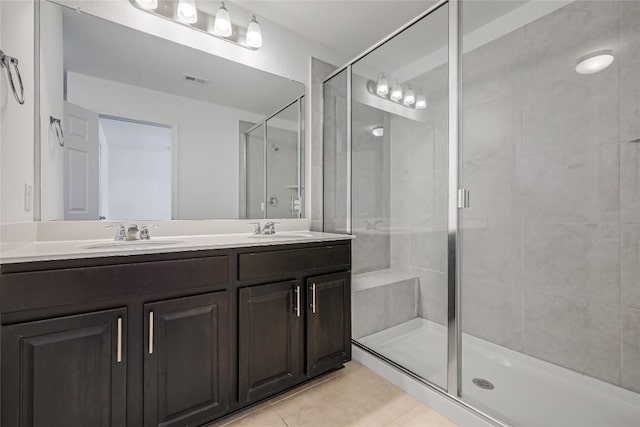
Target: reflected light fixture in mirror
{"type": "Point", "coordinates": [382, 87]}
{"type": "Point", "coordinates": [148, 4]}
{"type": "Point", "coordinates": [378, 131]}
{"type": "Point", "coordinates": [254, 34]}
{"type": "Point", "coordinates": [187, 12]}
{"type": "Point", "coordinates": [421, 102]}
{"type": "Point", "coordinates": [222, 24]}
{"type": "Point", "coordinates": [409, 97]}
{"type": "Point", "coordinates": [396, 92]}
{"type": "Point", "coordinates": [594, 62]}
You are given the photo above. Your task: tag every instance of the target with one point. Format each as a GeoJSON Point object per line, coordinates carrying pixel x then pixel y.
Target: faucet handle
{"type": "Point", "coordinates": [121, 234]}
{"type": "Point", "coordinates": [144, 231]}
{"type": "Point", "coordinates": [257, 229]}
{"type": "Point", "coordinates": [270, 227]}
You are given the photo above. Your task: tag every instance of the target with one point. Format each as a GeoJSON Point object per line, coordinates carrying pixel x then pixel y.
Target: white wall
{"type": "Point", "coordinates": [51, 104]}
{"type": "Point", "coordinates": [16, 141]}
{"type": "Point", "coordinates": [207, 139]}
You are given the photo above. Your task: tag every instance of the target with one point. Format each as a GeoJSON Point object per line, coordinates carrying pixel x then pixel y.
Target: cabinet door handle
{"type": "Point", "coordinates": [298, 301]}
{"type": "Point", "coordinates": [313, 298]}
{"type": "Point", "coordinates": [151, 332]}
{"type": "Point", "coordinates": [119, 342]}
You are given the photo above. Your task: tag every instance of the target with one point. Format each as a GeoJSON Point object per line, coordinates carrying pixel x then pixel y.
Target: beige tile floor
{"type": "Point", "coordinates": [353, 396]}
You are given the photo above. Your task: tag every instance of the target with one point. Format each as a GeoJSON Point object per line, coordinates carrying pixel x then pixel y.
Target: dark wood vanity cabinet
{"type": "Point", "coordinates": [186, 362]}
{"type": "Point", "coordinates": [270, 329]}
{"type": "Point", "coordinates": [174, 339]}
{"type": "Point", "coordinates": [328, 322]}
{"type": "Point", "coordinates": [65, 371]}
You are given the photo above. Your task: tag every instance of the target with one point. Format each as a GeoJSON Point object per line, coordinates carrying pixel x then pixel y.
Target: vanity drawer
{"type": "Point", "coordinates": [258, 265]}
{"type": "Point", "coordinates": [48, 288]}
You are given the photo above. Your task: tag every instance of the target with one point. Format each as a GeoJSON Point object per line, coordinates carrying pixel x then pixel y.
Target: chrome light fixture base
{"type": "Point", "coordinates": [167, 9]}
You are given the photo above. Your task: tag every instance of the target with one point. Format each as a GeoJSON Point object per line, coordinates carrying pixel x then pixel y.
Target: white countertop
{"type": "Point", "coordinates": [75, 249]}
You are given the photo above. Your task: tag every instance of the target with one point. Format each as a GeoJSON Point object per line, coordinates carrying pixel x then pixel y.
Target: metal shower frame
{"type": "Point", "coordinates": [453, 390]}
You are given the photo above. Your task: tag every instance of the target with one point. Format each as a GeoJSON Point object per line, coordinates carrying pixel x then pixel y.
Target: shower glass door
{"type": "Point", "coordinates": [399, 198]}
{"type": "Point", "coordinates": [255, 173]}
{"type": "Point", "coordinates": [550, 154]}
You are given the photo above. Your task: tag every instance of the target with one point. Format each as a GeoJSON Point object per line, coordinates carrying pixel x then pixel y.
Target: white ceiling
{"type": "Point", "coordinates": [347, 26]}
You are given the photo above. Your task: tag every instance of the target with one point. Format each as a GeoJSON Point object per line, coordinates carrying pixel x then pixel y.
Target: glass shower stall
{"type": "Point", "coordinates": [487, 158]}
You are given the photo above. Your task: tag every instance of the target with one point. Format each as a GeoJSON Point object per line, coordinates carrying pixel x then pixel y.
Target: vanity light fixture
{"type": "Point", "coordinates": [421, 102]}
{"type": "Point", "coordinates": [216, 24]}
{"type": "Point", "coordinates": [378, 131]}
{"type": "Point", "coordinates": [594, 62]}
{"type": "Point", "coordinates": [187, 12]}
{"type": "Point", "coordinates": [148, 4]}
{"type": "Point", "coordinates": [396, 92]}
{"type": "Point", "coordinates": [382, 86]}
{"type": "Point", "coordinates": [222, 24]}
{"type": "Point", "coordinates": [409, 97]}
{"type": "Point", "coordinates": [254, 34]}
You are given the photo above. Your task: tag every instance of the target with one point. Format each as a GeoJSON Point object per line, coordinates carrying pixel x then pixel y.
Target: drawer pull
{"type": "Point", "coordinates": [151, 332]}
{"type": "Point", "coordinates": [119, 342]}
{"type": "Point", "coordinates": [313, 298]}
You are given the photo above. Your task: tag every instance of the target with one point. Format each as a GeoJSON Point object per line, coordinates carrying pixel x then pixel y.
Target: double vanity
{"type": "Point", "coordinates": [168, 331]}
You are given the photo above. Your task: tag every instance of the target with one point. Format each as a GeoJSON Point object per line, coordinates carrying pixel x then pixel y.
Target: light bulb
{"type": "Point", "coordinates": [594, 62]}
{"type": "Point", "coordinates": [254, 35]}
{"type": "Point", "coordinates": [222, 24]}
{"type": "Point", "coordinates": [378, 131]}
{"type": "Point", "coordinates": [382, 86]}
{"type": "Point", "coordinates": [396, 92]}
{"type": "Point", "coordinates": [148, 4]}
{"type": "Point", "coordinates": [409, 97]}
{"type": "Point", "coordinates": [421, 102]}
{"type": "Point", "coordinates": [187, 12]}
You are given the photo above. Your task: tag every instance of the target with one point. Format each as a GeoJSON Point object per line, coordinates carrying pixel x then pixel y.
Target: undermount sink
{"type": "Point", "coordinates": [134, 244]}
{"type": "Point", "coordinates": [281, 236]}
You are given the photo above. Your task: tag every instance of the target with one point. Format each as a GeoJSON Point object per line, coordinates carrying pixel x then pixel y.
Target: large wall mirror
{"type": "Point", "coordinates": [135, 127]}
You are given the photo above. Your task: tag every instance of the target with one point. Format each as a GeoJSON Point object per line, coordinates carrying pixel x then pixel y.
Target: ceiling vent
{"type": "Point", "coordinates": [195, 80]}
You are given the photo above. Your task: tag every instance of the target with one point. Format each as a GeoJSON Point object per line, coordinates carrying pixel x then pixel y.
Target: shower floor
{"type": "Point", "coordinates": [528, 391]}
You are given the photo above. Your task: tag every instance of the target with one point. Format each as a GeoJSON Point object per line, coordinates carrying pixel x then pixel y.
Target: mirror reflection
{"type": "Point", "coordinates": [135, 127]}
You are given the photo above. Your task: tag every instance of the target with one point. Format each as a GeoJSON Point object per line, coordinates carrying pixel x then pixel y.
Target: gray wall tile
{"type": "Point", "coordinates": [574, 260]}
{"type": "Point", "coordinates": [630, 264]}
{"type": "Point", "coordinates": [631, 348]}
{"type": "Point", "coordinates": [575, 332]}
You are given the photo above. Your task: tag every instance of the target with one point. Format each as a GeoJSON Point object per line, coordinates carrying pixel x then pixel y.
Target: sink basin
{"type": "Point", "coordinates": [134, 244]}
{"type": "Point", "coordinates": [282, 236]}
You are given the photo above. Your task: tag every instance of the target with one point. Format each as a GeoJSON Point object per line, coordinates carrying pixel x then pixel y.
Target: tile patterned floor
{"type": "Point", "coordinates": [353, 396]}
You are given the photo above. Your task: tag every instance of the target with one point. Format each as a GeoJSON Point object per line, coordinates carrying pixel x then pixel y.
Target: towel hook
{"type": "Point", "coordinates": [7, 62]}
{"type": "Point", "coordinates": [57, 129]}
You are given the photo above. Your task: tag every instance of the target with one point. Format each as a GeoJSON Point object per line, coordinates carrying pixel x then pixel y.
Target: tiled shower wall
{"type": "Point", "coordinates": [551, 242]}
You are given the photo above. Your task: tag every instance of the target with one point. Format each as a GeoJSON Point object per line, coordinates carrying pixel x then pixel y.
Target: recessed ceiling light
{"type": "Point", "coordinates": [378, 131]}
{"type": "Point", "coordinates": [594, 62]}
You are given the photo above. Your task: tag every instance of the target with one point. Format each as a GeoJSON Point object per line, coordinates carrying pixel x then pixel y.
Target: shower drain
{"type": "Point", "coordinates": [484, 384]}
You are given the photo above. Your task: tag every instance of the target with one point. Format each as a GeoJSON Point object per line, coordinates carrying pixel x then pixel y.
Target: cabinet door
{"type": "Point", "coordinates": [270, 339]}
{"type": "Point", "coordinates": [66, 371]}
{"type": "Point", "coordinates": [328, 322]}
{"type": "Point", "coordinates": [186, 365]}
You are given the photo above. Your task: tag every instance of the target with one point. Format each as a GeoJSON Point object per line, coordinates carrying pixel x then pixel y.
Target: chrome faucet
{"type": "Point", "coordinates": [133, 232]}
{"type": "Point", "coordinates": [270, 227]}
